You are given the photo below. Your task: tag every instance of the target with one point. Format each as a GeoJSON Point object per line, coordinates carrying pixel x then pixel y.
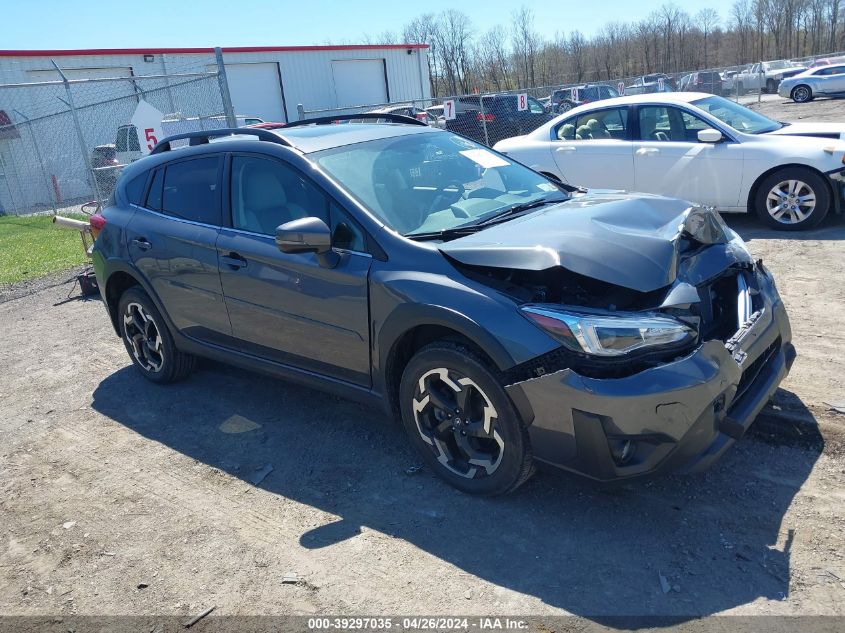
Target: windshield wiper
{"type": "Point", "coordinates": [516, 209]}
{"type": "Point", "coordinates": [446, 234]}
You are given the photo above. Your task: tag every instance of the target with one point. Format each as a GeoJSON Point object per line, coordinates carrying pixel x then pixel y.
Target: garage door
{"type": "Point", "coordinates": [256, 90]}
{"type": "Point", "coordinates": [359, 82]}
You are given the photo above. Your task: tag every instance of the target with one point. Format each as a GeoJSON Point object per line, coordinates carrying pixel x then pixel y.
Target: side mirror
{"type": "Point", "coordinates": [307, 235]}
{"type": "Point", "coordinates": [709, 135]}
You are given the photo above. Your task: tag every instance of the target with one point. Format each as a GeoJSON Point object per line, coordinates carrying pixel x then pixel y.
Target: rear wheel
{"type": "Point", "coordinates": [148, 341]}
{"type": "Point", "coordinates": [802, 94]}
{"type": "Point", "coordinates": [792, 199]}
{"type": "Point", "coordinates": [565, 106]}
{"type": "Point", "coordinates": [462, 422]}
{"type": "Point", "coordinates": [771, 86]}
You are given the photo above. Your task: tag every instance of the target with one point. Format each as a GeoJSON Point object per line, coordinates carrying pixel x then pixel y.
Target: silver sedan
{"type": "Point", "coordinates": [814, 82]}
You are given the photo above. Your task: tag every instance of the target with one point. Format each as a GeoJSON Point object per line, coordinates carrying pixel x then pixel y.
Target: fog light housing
{"type": "Point", "coordinates": [622, 451]}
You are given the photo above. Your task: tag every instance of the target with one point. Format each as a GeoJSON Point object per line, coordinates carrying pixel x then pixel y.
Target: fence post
{"type": "Point", "coordinates": [231, 121]}
{"type": "Point", "coordinates": [483, 119]}
{"type": "Point", "coordinates": [760, 80]}
{"type": "Point", "coordinates": [40, 160]}
{"type": "Point", "coordinates": [80, 137]}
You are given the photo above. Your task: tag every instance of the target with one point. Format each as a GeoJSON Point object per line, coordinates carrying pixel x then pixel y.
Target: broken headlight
{"type": "Point", "coordinates": [609, 334]}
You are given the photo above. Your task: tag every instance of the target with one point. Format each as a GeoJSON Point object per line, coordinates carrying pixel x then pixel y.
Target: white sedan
{"type": "Point", "coordinates": [697, 147]}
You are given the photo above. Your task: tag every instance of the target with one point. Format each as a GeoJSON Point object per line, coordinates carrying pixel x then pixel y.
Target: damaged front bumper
{"type": "Point", "coordinates": [679, 416]}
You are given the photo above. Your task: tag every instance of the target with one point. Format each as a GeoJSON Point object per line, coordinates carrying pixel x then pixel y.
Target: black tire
{"type": "Point", "coordinates": [807, 182]}
{"type": "Point", "coordinates": [771, 86]}
{"type": "Point", "coordinates": [802, 93]}
{"type": "Point", "coordinates": [565, 106]}
{"type": "Point", "coordinates": [140, 321]}
{"type": "Point", "coordinates": [503, 441]}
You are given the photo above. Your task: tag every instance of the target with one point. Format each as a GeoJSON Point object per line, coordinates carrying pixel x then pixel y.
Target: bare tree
{"type": "Point", "coordinates": [708, 20]}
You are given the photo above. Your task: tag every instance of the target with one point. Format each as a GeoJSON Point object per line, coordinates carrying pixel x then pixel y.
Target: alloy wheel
{"type": "Point", "coordinates": [457, 420]}
{"type": "Point", "coordinates": [801, 94]}
{"type": "Point", "coordinates": [791, 201]}
{"type": "Point", "coordinates": [143, 337]}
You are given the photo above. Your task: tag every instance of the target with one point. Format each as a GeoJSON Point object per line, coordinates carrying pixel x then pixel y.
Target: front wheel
{"type": "Point", "coordinates": [792, 199]}
{"type": "Point", "coordinates": [458, 416]}
{"type": "Point", "coordinates": [148, 341]}
{"type": "Point", "coordinates": [565, 106]}
{"type": "Point", "coordinates": [802, 94]}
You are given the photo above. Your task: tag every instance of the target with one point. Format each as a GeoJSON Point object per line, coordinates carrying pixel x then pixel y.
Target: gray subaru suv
{"type": "Point", "coordinates": [507, 320]}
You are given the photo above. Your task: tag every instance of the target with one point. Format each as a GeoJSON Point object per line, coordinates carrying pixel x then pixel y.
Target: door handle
{"type": "Point", "coordinates": [647, 151]}
{"type": "Point", "coordinates": [566, 148]}
{"type": "Point", "coordinates": [142, 243]}
{"type": "Point", "coordinates": [233, 261]}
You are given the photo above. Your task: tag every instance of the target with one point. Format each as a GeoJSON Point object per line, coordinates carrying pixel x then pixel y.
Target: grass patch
{"type": "Point", "coordinates": [31, 246]}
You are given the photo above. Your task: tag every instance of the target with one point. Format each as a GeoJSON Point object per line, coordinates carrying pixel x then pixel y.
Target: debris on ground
{"type": "Point", "coordinates": [143, 585]}
{"type": "Point", "coordinates": [290, 578]}
{"type": "Point", "coordinates": [261, 474]}
{"type": "Point", "coordinates": [664, 584]}
{"type": "Point", "coordinates": [199, 617]}
{"type": "Point", "coordinates": [839, 407]}
{"type": "Point", "coordinates": [68, 524]}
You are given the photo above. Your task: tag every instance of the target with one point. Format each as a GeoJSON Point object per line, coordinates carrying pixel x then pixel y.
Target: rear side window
{"type": "Point", "coordinates": [156, 188]}
{"type": "Point", "coordinates": [135, 188]}
{"type": "Point", "coordinates": [191, 190]}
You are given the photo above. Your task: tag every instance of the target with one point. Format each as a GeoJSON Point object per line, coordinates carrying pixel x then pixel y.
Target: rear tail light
{"type": "Point", "coordinates": [485, 117]}
{"type": "Point", "coordinates": [98, 223]}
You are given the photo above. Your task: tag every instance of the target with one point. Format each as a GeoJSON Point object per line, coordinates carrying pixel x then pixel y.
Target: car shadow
{"type": "Point", "coordinates": [679, 547]}
{"type": "Point", "coordinates": [750, 228]}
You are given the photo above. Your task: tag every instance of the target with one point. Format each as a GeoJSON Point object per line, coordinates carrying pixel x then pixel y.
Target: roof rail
{"type": "Point", "coordinates": [203, 136]}
{"type": "Point", "coordinates": [327, 120]}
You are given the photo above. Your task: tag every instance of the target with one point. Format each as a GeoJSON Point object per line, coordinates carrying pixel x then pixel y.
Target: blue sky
{"type": "Point", "coordinates": [45, 24]}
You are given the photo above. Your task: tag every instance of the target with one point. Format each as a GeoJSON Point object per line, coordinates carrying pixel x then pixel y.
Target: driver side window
{"type": "Point", "coordinates": [267, 193]}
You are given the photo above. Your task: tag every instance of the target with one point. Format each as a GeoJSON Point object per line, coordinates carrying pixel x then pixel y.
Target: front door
{"type": "Point", "coordinates": [669, 159]}
{"type": "Point", "coordinates": [289, 307]}
{"type": "Point", "coordinates": [594, 150]}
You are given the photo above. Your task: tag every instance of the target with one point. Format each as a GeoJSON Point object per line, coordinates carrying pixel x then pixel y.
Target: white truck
{"type": "Point", "coordinates": [766, 76]}
{"type": "Point", "coordinates": [128, 149]}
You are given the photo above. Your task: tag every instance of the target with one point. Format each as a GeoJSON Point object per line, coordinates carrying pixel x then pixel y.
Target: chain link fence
{"type": "Point", "coordinates": [64, 142]}
{"type": "Point", "coordinates": [491, 116]}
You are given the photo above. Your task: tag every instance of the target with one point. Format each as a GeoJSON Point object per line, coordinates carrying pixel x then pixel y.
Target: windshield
{"type": "Point", "coordinates": [435, 181]}
{"type": "Point", "coordinates": [738, 117]}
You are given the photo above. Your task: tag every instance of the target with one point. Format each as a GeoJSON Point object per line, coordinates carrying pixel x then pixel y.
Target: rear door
{"type": "Point", "coordinates": [669, 160]}
{"type": "Point", "coordinates": [288, 307]}
{"type": "Point", "coordinates": [594, 149]}
{"type": "Point", "coordinates": [172, 242]}
{"type": "Point", "coordinates": [834, 80]}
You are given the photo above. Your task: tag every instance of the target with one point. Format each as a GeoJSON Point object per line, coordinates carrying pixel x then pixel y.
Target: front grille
{"type": "Point", "coordinates": [719, 304]}
{"type": "Point", "coordinates": [749, 375]}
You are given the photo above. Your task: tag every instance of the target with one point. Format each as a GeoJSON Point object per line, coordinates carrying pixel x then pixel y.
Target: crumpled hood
{"type": "Point", "coordinates": [619, 238]}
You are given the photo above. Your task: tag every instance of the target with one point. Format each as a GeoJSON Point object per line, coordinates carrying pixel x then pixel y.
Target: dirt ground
{"type": "Point", "coordinates": [121, 497]}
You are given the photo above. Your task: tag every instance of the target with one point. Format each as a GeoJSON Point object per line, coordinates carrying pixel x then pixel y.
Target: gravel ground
{"type": "Point", "coordinates": [121, 497]}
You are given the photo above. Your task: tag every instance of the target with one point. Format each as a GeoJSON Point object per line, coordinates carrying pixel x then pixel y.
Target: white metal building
{"type": "Point", "coordinates": [264, 81]}
{"type": "Point", "coordinates": [46, 152]}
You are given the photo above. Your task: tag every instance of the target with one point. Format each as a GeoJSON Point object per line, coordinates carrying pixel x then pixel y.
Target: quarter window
{"type": "Point", "coordinates": [190, 190]}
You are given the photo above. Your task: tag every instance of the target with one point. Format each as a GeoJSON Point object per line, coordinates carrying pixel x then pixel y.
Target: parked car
{"type": "Point", "coordinates": [766, 76]}
{"type": "Point", "coordinates": [729, 81]}
{"type": "Point", "coordinates": [505, 320]}
{"type": "Point", "coordinates": [703, 81]}
{"type": "Point", "coordinates": [409, 110]}
{"type": "Point", "coordinates": [564, 99]}
{"type": "Point", "coordinates": [650, 88]}
{"type": "Point", "coordinates": [827, 61]}
{"type": "Point", "coordinates": [654, 78]}
{"type": "Point", "coordinates": [697, 147]}
{"type": "Point", "coordinates": [499, 118]}
{"type": "Point", "coordinates": [106, 167]}
{"type": "Point", "coordinates": [821, 81]}
{"type": "Point", "coordinates": [129, 149]}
